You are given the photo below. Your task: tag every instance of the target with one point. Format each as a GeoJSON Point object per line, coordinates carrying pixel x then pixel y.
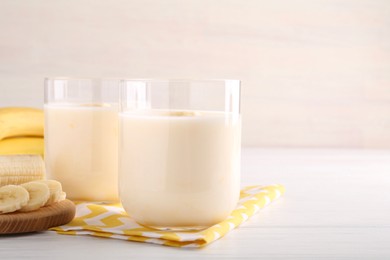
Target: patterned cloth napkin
{"type": "Point", "coordinates": [111, 221]}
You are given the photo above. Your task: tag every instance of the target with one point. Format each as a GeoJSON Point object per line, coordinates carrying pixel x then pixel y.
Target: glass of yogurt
{"type": "Point", "coordinates": [179, 151]}
{"type": "Point", "coordinates": [81, 136]}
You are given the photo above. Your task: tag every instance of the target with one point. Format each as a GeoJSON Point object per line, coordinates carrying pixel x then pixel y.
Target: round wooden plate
{"type": "Point", "coordinates": [57, 214]}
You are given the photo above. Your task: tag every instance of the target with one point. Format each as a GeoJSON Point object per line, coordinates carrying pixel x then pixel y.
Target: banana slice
{"type": "Point", "coordinates": [63, 196]}
{"type": "Point", "coordinates": [55, 189]}
{"type": "Point", "coordinates": [39, 194]}
{"type": "Point", "coordinates": [12, 198]}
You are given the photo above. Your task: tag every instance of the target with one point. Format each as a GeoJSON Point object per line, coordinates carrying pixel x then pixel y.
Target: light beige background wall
{"type": "Point", "coordinates": [314, 72]}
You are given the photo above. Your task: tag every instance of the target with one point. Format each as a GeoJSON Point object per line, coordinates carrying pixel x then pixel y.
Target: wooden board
{"type": "Point", "coordinates": [54, 215]}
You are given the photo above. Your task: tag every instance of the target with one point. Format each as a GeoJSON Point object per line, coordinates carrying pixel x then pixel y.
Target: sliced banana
{"type": "Point", "coordinates": [12, 198]}
{"type": "Point", "coordinates": [55, 189]}
{"type": "Point", "coordinates": [18, 169]}
{"type": "Point", "coordinates": [39, 194]}
{"type": "Point", "coordinates": [63, 196]}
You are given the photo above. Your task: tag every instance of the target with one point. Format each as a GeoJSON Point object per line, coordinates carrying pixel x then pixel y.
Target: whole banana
{"type": "Point", "coordinates": [22, 145]}
{"type": "Point", "coordinates": [21, 121]}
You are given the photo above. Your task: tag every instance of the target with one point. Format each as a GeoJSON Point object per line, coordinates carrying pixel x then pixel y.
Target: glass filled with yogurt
{"type": "Point", "coordinates": [179, 151]}
{"type": "Point", "coordinates": [81, 136]}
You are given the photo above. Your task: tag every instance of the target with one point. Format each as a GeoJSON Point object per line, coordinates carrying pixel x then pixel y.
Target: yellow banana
{"type": "Point", "coordinates": [22, 145]}
{"type": "Point", "coordinates": [20, 121]}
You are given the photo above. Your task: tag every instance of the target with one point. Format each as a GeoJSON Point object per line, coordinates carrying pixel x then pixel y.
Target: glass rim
{"type": "Point", "coordinates": [156, 80]}
{"type": "Point", "coordinates": [81, 78]}
{"type": "Point", "coordinates": [145, 79]}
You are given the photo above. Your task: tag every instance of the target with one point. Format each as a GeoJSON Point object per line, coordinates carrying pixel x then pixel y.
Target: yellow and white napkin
{"type": "Point", "coordinates": [111, 221]}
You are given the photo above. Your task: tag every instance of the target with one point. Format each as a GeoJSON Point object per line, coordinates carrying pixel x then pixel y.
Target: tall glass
{"type": "Point", "coordinates": [81, 136]}
{"type": "Point", "coordinates": [179, 151]}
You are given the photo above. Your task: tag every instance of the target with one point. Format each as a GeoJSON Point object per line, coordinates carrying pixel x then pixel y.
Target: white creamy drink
{"type": "Point", "coordinates": [81, 150]}
{"type": "Point", "coordinates": [179, 168]}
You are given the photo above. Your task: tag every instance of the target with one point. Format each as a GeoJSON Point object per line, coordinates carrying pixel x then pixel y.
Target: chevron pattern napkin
{"type": "Point", "coordinates": [111, 221]}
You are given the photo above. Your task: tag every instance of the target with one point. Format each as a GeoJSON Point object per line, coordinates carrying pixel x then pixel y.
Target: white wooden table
{"type": "Point", "coordinates": [337, 206]}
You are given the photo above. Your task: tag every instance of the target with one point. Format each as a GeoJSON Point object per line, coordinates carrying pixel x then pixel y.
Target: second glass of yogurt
{"type": "Point", "coordinates": [81, 136]}
{"type": "Point", "coordinates": [179, 151]}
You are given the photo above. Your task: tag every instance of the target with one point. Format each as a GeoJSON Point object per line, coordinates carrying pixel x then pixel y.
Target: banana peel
{"type": "Point", "coordinates": [21, 130]}
{"type": "Point", "coordinates": [21, 122]}
{"type": "Point", "coordinates": [22, 145]}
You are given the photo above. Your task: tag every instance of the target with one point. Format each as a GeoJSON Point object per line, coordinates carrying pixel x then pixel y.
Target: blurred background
{"type": "Point", "coordinates": [315, 73]}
